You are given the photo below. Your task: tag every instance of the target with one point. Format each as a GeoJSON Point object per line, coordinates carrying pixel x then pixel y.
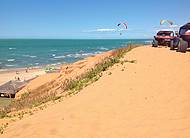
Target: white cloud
{"type": "Point", "coordinates": [102, 30]}
{"type": "Point", "coordinates": [105, 30]}
{"type": "Point", "coordinates": [108, 30]}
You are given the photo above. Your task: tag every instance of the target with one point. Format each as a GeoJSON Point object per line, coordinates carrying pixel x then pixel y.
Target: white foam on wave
{"type": "Point", "coordinates": [103, 48]}
{"type": "Point", "coordinates": [53, 50]}
{"type": "Point", "coordinates": [53, 55]}
{"type": "Point", "coordinates": [69, 55]}
{"type": "Point", "coordinates": [9, 65]}
{"type": "Point", "coordinates": [87, 54]}
{"type": "Point", "coordinates": [11, 60]}
{"type": "Point", "coordinates": [80, 55]}
{"type": "Point", "coordinates": [98, 52]}
{"type": "Point", "coordinates": [77, 55]}
{"type": "Point", "coordinates": [58, 57]}
{"type": "Point", "coordinates": [33, 56]}
{"type": "Point", "coordinates": [10, 48]}
{"type": "Point", "coordinates": [29, 56]}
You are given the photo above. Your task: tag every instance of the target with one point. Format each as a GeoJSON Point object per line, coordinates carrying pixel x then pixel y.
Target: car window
{"type": "Point", "coordinates": [182, 31]}
{"type": "Point", "coordinates": [166, 33]}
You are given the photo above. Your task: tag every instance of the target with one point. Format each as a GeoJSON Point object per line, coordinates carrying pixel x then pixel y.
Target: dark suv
{"type": "Point", "coordinates": [183, 40]}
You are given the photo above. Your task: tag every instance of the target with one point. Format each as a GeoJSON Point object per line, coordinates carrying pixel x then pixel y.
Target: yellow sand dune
{"type": "Point", "coordinates": [146, 99]}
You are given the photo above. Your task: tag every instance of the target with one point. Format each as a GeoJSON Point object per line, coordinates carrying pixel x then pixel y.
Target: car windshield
{"type": "Point", "coordinates": [165, 33]}
{"type": "Point", "coordinates": [183, 30]}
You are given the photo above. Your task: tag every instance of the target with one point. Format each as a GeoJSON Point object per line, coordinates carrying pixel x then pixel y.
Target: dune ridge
{"type": "Point", "coordinates": [145, 98]}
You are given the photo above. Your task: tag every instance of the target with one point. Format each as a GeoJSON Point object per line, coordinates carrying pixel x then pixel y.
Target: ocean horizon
{"type": "Point", "coordinates": [21, 53]}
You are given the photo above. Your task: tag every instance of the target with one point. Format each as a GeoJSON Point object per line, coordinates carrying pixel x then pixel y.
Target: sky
{"type": "Point", "coordinates": [88, 19]}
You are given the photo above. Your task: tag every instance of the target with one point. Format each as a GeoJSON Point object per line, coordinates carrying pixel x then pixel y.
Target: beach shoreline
{"type": "Point", "coordinates": [27, 72]}
{"type": "Point", "coordinates": [10, 73]}
{"type": "Point", "coordinates": [20, 73]}
{"type": "Point", "coordinates": [7, 70]}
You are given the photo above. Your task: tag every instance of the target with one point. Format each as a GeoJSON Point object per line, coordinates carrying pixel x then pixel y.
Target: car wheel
{"type": "Point", "coordinates": [182, 46]}
{"type": "Point", "coordinates": [176, 42]}
{"type": "Point", "coordinates": [171, 45]}
{"type": "Point", "coordinates": [155, 43]}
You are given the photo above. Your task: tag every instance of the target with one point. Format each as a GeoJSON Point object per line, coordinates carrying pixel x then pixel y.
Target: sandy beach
{"type": "Point", "coordinates": [148, 98]}
{"type": "Point", "coordinates": [13, 74]}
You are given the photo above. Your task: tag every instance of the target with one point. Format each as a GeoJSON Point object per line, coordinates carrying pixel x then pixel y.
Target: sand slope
{"type": "Point", "coordinates": [149, 99]}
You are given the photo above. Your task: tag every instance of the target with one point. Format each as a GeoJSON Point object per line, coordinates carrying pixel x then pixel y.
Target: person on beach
{"type": "Point", "coordinates": [26, 70]}
{"type": "Point", "coordinates": [18, 79]}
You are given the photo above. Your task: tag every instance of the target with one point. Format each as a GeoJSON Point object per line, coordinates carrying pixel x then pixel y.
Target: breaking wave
{"type": "Point", "coordinates": [103, 48]}
{"type": "Point", "coordinates": [10, 48]}
{"type": "Point", "coordinates": [30, 56]}
{"type": "Point", "coordinates": [58, 57]}
{"type": "Point", "coordinates": [9, 65]}
{"type": "Point", "coordinates": [11, 60]}
{"type": "Point", "coordinates": [77, 55]}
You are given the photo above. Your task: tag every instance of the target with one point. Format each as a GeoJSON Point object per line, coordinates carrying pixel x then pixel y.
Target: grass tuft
{"type": "Point", "coordinates": [2, 128]}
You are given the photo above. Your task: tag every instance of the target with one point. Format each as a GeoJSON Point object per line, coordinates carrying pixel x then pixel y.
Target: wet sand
{"type": "Point", "coordinates": [146, 99]}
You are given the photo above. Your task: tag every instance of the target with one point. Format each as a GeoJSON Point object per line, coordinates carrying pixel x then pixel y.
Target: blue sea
{"type": "Point", "coordinates": [19, 53]}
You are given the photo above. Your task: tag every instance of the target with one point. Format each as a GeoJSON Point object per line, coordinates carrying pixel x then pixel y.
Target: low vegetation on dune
{"type": "Point", "coordinates": [4, 102]}
{"type": "Point", "coordinates": [68, 87]}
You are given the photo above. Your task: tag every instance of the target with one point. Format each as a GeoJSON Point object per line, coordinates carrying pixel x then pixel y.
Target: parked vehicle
{"type": "Point", "coordinates": [164, 38]}
{"type": "Point", "coordinates": [183, 40]}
